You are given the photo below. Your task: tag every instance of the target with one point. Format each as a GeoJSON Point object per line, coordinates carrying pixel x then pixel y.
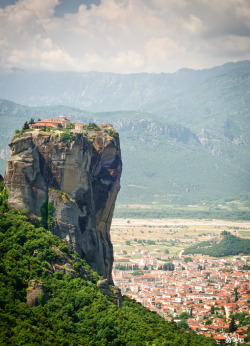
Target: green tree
{"type": "Point", "coordinates": [168, 266]}
{"type": "Point", "coordinates": [51, 209]}
{"type": "Point", "coordinates": [26, 125]}
{"type": "Point", "coordinates": [151, 242]}
{"type": "Point", "coordinates": [184, 315]}
{"type": "Point", "coordinates": [93, 127]}
{"type": "Point", "coordinates": [236, 298]}
{"type": "Point", "coordinates": [188, 259]}
{"type": "Point", "coordinates": [65, 136]}
{"type": "Point", "coordinates": [225, 233]}
{"type": "Point", "coordinates": [232, 326]}
{"type": "Point", "coordinates": [1, 183]}
{"type": "Point", "coordinates": [138, 273]}
{"type": "Point", "coordinates": [183, 324]}
{"type": "Point", "coordinates": [47, 210]}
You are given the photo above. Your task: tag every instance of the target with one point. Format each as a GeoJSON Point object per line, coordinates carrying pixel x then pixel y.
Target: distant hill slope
{"type": "Point", "coordinates": [49, 296]}
{"type": "Point", "coordinates": [230, 245]}
{"type": "Point", "coordinates": [164, 162]}
{"type": "Point", "coordinates": [185, 137]}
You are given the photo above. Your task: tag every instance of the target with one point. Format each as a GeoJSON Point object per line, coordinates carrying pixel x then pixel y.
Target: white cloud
{"type": "Point", "coordinates": [42, 9]}
{"type": "Point", "coordinates": [45, 55]}
{"type": "Point", "coordinates": [26, 42]}
{"type": "Point", "coordinates": [193, 25]}
{"type": "Point", "coordinates": [125, 35]}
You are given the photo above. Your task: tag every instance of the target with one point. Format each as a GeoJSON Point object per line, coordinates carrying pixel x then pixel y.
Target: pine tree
{"type": "Point", "coordinates": [236, 294]}
{"type": "Point", "coordinates": [26, 126]}
{"type": "Point", "coordinates": [232, 326]}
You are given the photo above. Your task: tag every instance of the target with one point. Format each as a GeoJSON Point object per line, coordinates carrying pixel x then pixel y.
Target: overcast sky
{"type": "Point", "coordinates": [123, 36]}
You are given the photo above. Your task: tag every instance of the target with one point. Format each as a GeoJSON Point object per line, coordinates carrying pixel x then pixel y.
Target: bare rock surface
{"type": "Point", "coordinates": [104, 286]}
{"type": "Point", "coordinates": [35, 291]}
{"type": "Point", "coordinates": [117, 296]}
{"type": "Point", "coordinates": [111, 291]}
{"type": "Point", "coordinates": [80, 177]}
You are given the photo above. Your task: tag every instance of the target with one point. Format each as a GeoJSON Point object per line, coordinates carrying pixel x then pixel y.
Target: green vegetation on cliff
{"type": "Point", "coordinates": [230, 245]}
{"type": "Point", "coordinates": [47, 210]}
{"type": "Point", "coordinates": [70, 310]}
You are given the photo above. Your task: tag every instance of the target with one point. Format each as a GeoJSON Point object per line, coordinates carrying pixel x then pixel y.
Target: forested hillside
{"type": "Point", "coordinates": [230, 245]}
{"type": "Point", "coordinates": [70, 309]}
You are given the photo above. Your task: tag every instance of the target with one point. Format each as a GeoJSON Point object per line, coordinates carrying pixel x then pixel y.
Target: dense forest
{"type": "Point", "coordinates": [230, 245]}
{"type": "Point", "coordinates": [71, 309]}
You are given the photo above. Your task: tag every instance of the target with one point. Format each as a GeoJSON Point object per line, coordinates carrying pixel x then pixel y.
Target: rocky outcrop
{"type": "Point", "coordinates": [104, 286]}
{"type": "Point", "coordinates": [117, 296]}
{"type": "Point", "coordinates": [36, 293]}
{"type": "Point", "coordinates": [80, 176]}
{"type": "Point", "coordinates": [113, 292]}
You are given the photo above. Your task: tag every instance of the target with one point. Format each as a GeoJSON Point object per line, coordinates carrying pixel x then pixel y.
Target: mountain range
{"type": "Point", "coordinates": [184, 136]}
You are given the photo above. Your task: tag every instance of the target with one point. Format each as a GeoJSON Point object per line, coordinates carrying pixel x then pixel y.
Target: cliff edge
{"type": "Point", "coordinates": [74, 181]}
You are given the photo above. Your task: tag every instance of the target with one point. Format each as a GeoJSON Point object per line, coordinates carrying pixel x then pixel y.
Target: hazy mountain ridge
{"type": "Point", "coordinates": [164, 162]}
{"type": "Point", "coordinates": [190, 147]}
{"type": "Point", "coordinates": [99, 91]}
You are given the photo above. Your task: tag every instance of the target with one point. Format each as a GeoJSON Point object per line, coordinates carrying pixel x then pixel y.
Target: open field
{"type": "Point", "coordinates": [174, 235]}
{"type": "Point", "coordinates": [169, 222]}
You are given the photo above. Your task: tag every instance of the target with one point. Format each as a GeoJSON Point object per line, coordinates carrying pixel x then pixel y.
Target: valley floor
{"type": "Point", "coordinates": [174, 235]}
{"type": "Point", "coordinates": [185, 222]}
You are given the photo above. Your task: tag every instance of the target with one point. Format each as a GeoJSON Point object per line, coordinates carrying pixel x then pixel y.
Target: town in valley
{"type": "Point", "coordinates": [206, 294]}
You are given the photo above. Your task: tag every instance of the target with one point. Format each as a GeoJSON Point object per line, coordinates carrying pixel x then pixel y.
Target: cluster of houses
{"type": "Point", "coordinates": [53, 123]}
{"type": "Point", "coordinates": [146, 259]}
{"type": "Point", "coordinates": [207, 294]}
{"type": "Point", "coordinates": [64, 122]}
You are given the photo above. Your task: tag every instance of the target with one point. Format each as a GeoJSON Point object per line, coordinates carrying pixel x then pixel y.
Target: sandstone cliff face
{"type": "Point", "coordinates": [82, 180]}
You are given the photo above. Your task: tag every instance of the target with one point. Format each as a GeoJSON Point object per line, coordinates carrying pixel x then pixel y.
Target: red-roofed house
{"type": "Point", "coordinates": [54, 123]}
